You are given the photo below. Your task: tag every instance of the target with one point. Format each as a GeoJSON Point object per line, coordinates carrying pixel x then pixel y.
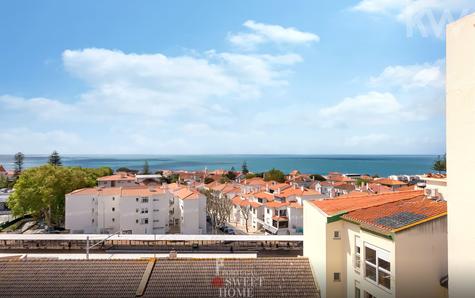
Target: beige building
{"type": "Point", "coordinates": [385, 245]}
{"type": "Point", "coordinates": [461, 155]}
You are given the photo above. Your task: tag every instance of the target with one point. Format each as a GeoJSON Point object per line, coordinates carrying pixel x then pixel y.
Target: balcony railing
{"type": "Point", "coordinates": [268, 227]}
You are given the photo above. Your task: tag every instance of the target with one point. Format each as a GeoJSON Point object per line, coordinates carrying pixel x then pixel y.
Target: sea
{"type": "Point", "coordinates": [381, 165]}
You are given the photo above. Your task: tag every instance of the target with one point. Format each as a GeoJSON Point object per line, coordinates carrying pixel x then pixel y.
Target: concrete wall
{"type": "Point", "coordinates": [79, 214]}
{"type": "Point", "coordinates": [354, 275]}
{"type": "Point", "coordinates": [461, 155]}
{"type": "Point", "coordinates": [314, 244]}
{"type": "Point", "coordinates": [421, 256]}
{"type": "Point", "coordinates": [189, 216]}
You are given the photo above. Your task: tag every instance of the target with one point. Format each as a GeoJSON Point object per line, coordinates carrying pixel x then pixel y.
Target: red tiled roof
{"type": "Point", "coordinates": [120, 176]}
{"type": "Point", "coordinates": [339, 205]}
{"type": "Point", "coordinates": [279, 185]}
{"type": "Point", "coordinates": [297, 192]}
{"type": "Point", "coordinates": [187, 194]}
{"type": "Point", "coordinates": [2, 169]}
{"type": "Point", "coordinates": [276, 204]}
{"type": "Point", "coordinates": [390, 182]}
{"type": "Point", "coordinates": [255, 181]}
{"type": "Point", "coordinates": [118, 191]}
{"type": "Point", "coordinates": [255, 204]}
{"type": "Point", "coordinates": [379, 188]}
{"type": "Point", "coordinates": [388, 216]}
{"type": "Point", "coordinates": [264, 195]}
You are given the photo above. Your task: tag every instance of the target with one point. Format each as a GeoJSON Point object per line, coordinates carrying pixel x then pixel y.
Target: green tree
{"type": "Point", "coordinates": [440, 165]}
{"type": "Point", "coordinates": [124, 169]}
{"type": "Point", "coordinates": [3, 182]}
{"type": "Point", "coordinates": [231, 175]}
{"type": "Point", "coordinates": [18, 160]}
{"type": "Point", "coordinates": [244, 168]}
{"type": "Point", "coordinates": [146, 168]}
{"type": "Point", "coordinates": [55, 159]}
{"type": "Point", "coordinates": [208, 180]}
{"type": "Point", "coordinates": [274, 175]}
{"type": "Point", "coordinates": [361, 181]}
{"type": "Point", "coordinates": [224, 179]}
{"type": "Point", "coordinates": [41, 191]}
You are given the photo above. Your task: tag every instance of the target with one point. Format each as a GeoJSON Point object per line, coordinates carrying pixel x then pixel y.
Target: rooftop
{"type": "Point", "coordinates": [348, 204]}
{"type": "Point", "coordinates": [398, 215]}
{"type": "Point", "coordinates": [121, 176]}
{"type": "Point", "coordinates": [272, 277]}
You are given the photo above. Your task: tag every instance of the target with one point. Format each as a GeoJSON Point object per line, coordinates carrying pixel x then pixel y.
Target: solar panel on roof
{"type": "Point", "coordinates": [400, 219]}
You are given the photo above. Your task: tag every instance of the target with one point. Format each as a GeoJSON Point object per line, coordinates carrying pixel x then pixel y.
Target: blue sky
{"type": "Point", "coordinates": [205, 77]}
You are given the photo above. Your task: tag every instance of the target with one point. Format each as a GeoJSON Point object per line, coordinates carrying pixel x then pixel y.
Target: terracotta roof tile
{"type": "Point", "coordinates": [276, 204]}
{"type": "Point", "coordinates": [399, 214]}
{"type": "Point", "coordinates": [389, 182]}
{"type": "Point", "coordinates": [264, 195]}
{"type": "Point", "coordinates": [339, 205]}
{"type": "Point", "coordinates": [276, 277]}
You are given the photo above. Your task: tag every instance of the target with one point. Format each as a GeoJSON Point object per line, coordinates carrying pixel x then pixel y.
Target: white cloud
{"type": "Point", "coordinates": [412, 76]}
{"type": "Point", "coordinates": [371, 108]}
{"type": "Point", "coordinates": [44, 108]}
{"type": "Point", "coordinates": [32, 141]}
{"type": "Point", "coordinates": [427, 17]}
{"type": "Point", "coordinates": [404, 9]}
{"type": "Point", "coordinates": [262, 33]}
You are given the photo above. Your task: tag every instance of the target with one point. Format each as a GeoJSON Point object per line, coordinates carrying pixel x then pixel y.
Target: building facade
{"type": "Point", "coordinates": [460, 111]}
{"type": "Point", "coordinates": [387, 245]}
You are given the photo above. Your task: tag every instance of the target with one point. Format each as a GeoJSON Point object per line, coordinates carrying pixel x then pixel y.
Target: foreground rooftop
{"type": "Point", "coordinates": [263, 277]}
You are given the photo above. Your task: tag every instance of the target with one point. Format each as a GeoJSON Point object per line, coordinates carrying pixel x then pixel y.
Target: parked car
{"type": "Point", "coordinates": [231, 231]}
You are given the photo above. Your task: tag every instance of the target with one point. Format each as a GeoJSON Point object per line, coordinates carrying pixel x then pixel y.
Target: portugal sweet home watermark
{"type": "Point", "coordinates": [231, 282]}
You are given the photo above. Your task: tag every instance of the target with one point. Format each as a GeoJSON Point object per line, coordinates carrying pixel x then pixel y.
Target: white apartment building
{"type": "Point", "coordinates": [136, 210]}
{"type": "Point", "coordinates": [385, 245]}
{"type": "Point", "coordinates": [279, 212]}
{"type": "Point", "coordinates": [128, 210]}
{"type": "Point", "coordinates": [460, 102]}
{"type": "Point", "coordinates": [192, 208]}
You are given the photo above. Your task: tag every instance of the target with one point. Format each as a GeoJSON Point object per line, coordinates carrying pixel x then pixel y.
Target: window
{"type": "Point", "coordinates": [336, 276]}
{"type": "Point", "coordinates": [144, 210]}
{"type": "Point", "coordinates": [136, 221]}
{"type": "Point", "coordinates": [378, 266]}
{"type": "Point", "coordinates": [336, 235]}
{"type": "Point", "coordinates": [368, 295]}
{"type": "Point", "coordinates": [113, 209]}
{"type": "Point", "coordinates": [357, 253]}
{"type": "Point", "coordinates": [136, 199]}
{"type": "Point", "coordinates": [93, 220]}
{"type": "Point", "coordinates": [156, 220]}
{"type": "Point", "coordinates": [144, 221]}
{"type": "Point", "coordinates": [156, 210]}
{"type": "Point", "coordinates": [113, 219]}
{"type": "Point", "coordinates": [92, 210]}
{"type": "Point", "coordinates": [113, 198]}
{"type": "Point", "coordinates": [137, 210]}
{"type": "Point", "coordinates": [144, 200]}
{"type": "Point", "coordinates": [268, 211]}
{"type": "Point", "coordinates": [357, 290]}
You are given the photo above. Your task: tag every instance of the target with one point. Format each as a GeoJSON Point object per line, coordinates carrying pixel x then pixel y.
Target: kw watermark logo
{"type": "Point", "coordinates": [235, 283]}
{"type": "Point", "coordinates": [430, 21]}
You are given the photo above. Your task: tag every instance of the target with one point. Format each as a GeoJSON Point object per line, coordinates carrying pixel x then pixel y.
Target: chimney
{"type": "Point", "coordinates": [172, 255]}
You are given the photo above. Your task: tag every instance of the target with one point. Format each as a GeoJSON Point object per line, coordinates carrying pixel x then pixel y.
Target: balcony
{"type": "Point", "coordinates": [268, 227]}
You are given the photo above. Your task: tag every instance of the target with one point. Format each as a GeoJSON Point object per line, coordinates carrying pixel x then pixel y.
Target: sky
{"type": "Point", "coordinates": [224, 77]}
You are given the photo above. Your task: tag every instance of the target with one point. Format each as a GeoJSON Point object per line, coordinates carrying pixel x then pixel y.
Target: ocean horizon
{"type": "Point", "coordinates": [382, 165]}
